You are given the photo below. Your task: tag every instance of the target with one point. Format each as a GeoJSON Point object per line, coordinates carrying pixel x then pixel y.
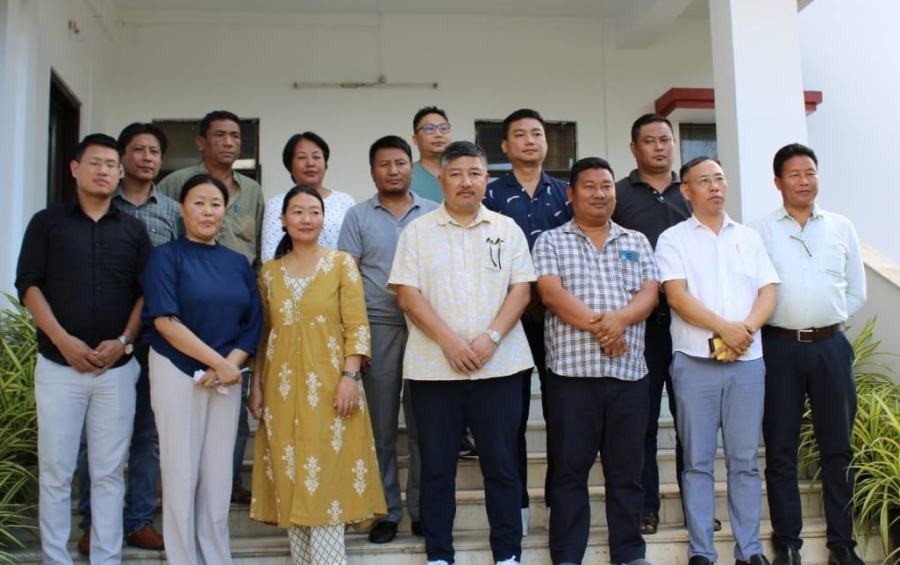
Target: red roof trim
{"type": "Point", "coordinates": [704, 99]}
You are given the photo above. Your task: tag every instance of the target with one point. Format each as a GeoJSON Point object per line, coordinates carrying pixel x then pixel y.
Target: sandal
{"type": "Point", "coordinates": [649, 523]}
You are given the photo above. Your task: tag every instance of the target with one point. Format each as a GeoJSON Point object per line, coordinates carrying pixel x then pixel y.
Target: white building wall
{"type": "Point", "coordinates": [36, 39]}
{"type": "Point", "coordinates": [181, 66]}
{"type": "Point", "coordinates": [850, 54]}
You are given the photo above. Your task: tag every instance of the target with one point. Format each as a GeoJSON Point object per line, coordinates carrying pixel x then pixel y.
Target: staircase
{"type": "Point", "coordinates": [254, 543]}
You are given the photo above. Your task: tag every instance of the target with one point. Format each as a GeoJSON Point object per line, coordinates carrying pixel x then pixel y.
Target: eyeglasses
{"type": "Point", "coordinates": [429, 129]}
{"type": "Point", "coordinates": [707, 181]}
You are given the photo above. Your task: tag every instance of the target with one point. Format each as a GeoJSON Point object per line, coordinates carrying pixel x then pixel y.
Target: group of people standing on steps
{"type": "Point", "coordinates": [166, 312]}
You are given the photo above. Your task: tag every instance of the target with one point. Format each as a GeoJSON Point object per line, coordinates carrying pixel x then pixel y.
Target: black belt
{"type": "Point", "coordinates": [808, 335]}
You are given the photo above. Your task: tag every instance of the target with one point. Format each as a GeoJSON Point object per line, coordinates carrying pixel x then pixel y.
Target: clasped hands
{"type": "Point", "coordinates": [226, 373]}
{"type": "Point", "coordinates": [609, 329]}
{"type": "Point", "coordinates": [468, 357]}
{"type": "Point", "coordinates": [736, 340]}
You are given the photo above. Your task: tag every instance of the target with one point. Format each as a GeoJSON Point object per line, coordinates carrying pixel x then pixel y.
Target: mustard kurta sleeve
{"type": "Point", "coordinates": [357, 340]}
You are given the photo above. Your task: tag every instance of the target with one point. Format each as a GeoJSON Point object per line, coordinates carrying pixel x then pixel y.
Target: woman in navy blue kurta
{"type": "Point", "coordinates": [203, 304]}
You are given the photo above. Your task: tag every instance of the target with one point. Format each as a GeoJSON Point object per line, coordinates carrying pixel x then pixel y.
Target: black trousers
{"type": "Point", "coordinates": [588, 415]}
{"type": "Point", "coordinates": [492, 409]}
{"type": "Point", "coordinates": [823, 371]}
{"type": "Point", "coordinates": [658, 354]}
{"type": "Point", "coordinates": [534, 332]}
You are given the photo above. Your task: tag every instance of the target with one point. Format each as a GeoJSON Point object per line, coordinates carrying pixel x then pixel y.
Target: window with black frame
{"type": "Point", "coordinates": [697, 140]}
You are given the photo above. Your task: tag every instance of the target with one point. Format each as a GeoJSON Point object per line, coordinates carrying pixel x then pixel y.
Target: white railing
{"type": "Point", "coordinates": [883, 287]}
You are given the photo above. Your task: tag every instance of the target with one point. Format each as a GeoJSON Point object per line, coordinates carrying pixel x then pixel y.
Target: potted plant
{"type": "Point", "coordinates": [18, 427]}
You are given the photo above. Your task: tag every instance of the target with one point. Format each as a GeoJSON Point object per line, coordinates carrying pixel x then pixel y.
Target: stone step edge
{"type": "Point", "coordinates": [666, 454]}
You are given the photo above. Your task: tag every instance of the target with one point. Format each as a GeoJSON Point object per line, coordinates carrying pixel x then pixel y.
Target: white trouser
{"type": "Point", "coordinates": [196, 428]}
{"type": "Point", "coordinates": [67, 401]}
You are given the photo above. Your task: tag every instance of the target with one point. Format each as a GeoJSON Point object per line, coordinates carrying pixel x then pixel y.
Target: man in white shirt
{"type": "Point", "coordinates": [721, 287]}
{"type": "Point", "coordinates": [463, 278]}
{"type": "Point", "coordinates": [823, 282]}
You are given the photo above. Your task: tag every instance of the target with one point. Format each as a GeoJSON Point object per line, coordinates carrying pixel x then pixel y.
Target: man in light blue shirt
{"type": "Point", "coordinates": [817, 256]}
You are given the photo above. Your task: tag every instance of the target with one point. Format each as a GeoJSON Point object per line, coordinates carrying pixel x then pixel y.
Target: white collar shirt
{"type": "Point", "coordinates": [723, 271]}
{"type": "Point", "coordinates": [464, 272]}
{"type": "Point", "coordinates": [823, 280]}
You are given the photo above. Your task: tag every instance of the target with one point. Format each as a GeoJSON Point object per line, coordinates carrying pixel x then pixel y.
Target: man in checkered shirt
{"type": "Point", "coordinates": [599, 282]}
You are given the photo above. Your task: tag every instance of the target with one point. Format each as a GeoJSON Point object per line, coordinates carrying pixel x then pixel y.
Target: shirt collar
{"type": "Point", "coordinates": [73, 206]}
{"type": "Point", "coordinates": [727, 221]}
{"type": "Point", "coordinates": [154, 194]}
{"type": "Point", "coordinates": [782, 213]}
{"type": "Point", "coordinates": [444, 217]}
{"type": "Point", "coordinates": [615, 230]}
{"type": "Point", "coordinates": [417, 201]}
{"type": "Point", "coordinates": [510, 180]}
{"type": "Point", "coordinates": [635, 179]}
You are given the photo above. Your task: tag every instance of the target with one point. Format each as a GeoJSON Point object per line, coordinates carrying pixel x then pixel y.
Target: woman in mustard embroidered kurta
{"type": "Point", "coordinates": [314, 464]}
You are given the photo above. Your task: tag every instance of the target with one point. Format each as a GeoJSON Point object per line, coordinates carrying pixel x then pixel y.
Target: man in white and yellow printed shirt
{"type": "Point", "coordinates": [462, 275]}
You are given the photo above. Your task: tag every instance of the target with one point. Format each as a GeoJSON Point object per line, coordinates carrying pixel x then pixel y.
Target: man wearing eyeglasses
{"type": "Point", "coordinates": [817, 256]}
{"type": "Point", "coordinates": [720, 285]}
{"type": "Point", "coordinates": [431, 134]}
{"type": "Point", "coordinates": [78, 276]}
{"type": "Point", "coordinates": [537, 202]}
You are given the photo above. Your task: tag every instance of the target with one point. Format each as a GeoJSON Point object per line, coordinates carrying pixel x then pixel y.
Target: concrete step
{"type": "Point", "coordinates": [666, 547]}
{"type": "Point", "coordinates": [472, 516]}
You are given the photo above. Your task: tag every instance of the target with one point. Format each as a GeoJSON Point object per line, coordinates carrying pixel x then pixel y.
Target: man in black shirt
{"type": "Point", "coordinates": [78, 275]}
{"type": "Point", "coordinates": [649, 200]}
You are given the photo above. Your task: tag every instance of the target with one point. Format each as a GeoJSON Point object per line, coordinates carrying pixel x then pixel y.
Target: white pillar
{"type": "Point", "coordinates": [759, 96]}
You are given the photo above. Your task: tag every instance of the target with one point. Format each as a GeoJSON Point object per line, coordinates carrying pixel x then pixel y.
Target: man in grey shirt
{"type": "Point", "coordinates": [369, 233]}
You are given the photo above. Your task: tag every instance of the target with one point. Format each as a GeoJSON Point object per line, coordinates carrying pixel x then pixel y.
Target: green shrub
{"type": "Point", "coordinates": [18, 427]}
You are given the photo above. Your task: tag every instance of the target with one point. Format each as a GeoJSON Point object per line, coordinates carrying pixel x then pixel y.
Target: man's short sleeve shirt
{"type": "Point", "coordinates": [641, 207]}
{"type": "Point", "coordinates": [464, 272]}
{"type": "Point", "coordinates": [723, 271]}
{"type": "Point", "coordinates": [549, 207]}
{"type": "Point", "coordinates": [603, 279]}
{"type": "Point", "coordinates": [370, 233]}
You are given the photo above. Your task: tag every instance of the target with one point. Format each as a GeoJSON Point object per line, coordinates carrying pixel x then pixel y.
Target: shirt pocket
{"type": "Point", "coordinates": [831, 259]}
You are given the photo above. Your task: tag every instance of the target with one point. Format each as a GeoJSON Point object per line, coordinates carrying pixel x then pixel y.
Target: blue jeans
{"type": "Point", "coordinates": [142, 483]}
{"type": "Point", "coordinates": [710, 395]}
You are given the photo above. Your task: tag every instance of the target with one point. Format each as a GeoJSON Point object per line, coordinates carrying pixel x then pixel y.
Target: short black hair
{"type": "Point", "coordinates": [686, 168]}
{"type": "Point", "coordinates": [197, 180]}
{"type": "Point", "coordinates": [520, 114]}
{"type": "Point", "coordinates": [135, 129]}
{"type": "Point", "coordinates": [286, 244]}
{"type": "Point", "coordinates": [648, 119]}
{"type": "Point", "coordinates": [587, 163]}
{"type": "Point", "coordinates": [100, 139]}
{"type": "Point", "coordinates": [287, 154]}
{"type": "Point", "coordinates": [459, 149]}
{"type": "Point", "coordinates": [424, 112]}
{"type": "Point", "coordinates": [389, 142]}
{"type": "Point", "coordinates": [216, 115]}
{"type": "Point", "coordinates": [788, 151]}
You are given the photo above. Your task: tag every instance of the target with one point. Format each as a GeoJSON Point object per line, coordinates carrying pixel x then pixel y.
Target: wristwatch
{"type": "Point", "coordinates": [494, 335]}
{"type": "Point", "coordinates": [355, 375]}
{"type": "Point", "coordinates": [129, 348]}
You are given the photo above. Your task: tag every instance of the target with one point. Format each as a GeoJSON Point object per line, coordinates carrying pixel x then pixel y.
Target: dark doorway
{"type": "Point", "coordinates": [65, 116]}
